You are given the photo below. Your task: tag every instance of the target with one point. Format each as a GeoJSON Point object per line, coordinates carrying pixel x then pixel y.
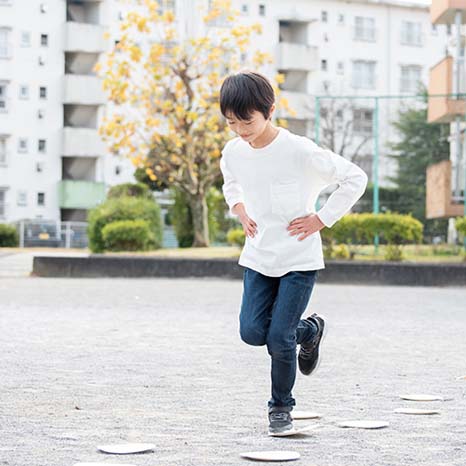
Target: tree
{"type": "Point", "coordinates": [167, 117]}
{"type": "Point", "coordinates": [421, 144]}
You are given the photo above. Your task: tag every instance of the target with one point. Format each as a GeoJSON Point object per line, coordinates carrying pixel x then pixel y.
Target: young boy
{"type": "Point", "coordinates": [272, 179]}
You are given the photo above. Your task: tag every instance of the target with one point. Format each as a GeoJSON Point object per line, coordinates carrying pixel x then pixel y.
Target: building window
{"type": "Point", "coordinates": [22, 198]}
{"type": "Point", "coordinates": [410, 78]}
{"type": "Point", "coordinates": [362, 121]}
{"type": "Point", "coordinates": [341, 19]}
{"type": "Point", "coordinates": [43, 8]}
{"type": "Point", "coordinates": [44, 40]}
{"type": "Point", "coordinates": [23, 145]}
{"type": "Point", "coordinates": [166, 5]}
{"type": "Point", "coordinates": [363, 74]}
{"type": "Point", "coordinates": [24, 91]}
{"type": "Point", "coordinates": [25, 39]}
{"type": "Point", "coordinates": [40, 113]}
{"type": "Point", "coordinates": [449, 29]}
{"type": "Point", "coordinates": [434, 29]}
{"type": "Point", "coordinates": [117, 170]}
{"type": "Point", "coordinates": [4, 43]}
{"type": "Point", "coordinates": [2, 151]}
{"type": "Point", "coordinates": [39, 167]}
{"type": "Point", "coordinates": [41, 199]}
{"type": "Point", "coordinates": [261, 9]}
{"type": "Point", "coordinates": [324, 16]}
{"type": "Point", "coordinates": [364, 29]}
{"type": "Point", "coordinates": [323, 65]}
{"type": "Point", "coordinates": [3, 96]}
{"type": "Point", "coordinates": [2, 202]}
{"type": "Point", "coordinates": [41, 60]}
{"type": "Point", "coordinates": [340, 67]}
{"type": "Point", "coordinates": [42, 92]}
{"type": "Point", "coordinates": [244, 9]}
{"type": "Point", "coordinates": [411, 33]}
{"type": "Point", "coordinates": [42, 146]}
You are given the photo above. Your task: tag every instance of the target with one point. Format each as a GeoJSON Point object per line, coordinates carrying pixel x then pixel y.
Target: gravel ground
{"type": "Point", "coordinates": [89, 362]}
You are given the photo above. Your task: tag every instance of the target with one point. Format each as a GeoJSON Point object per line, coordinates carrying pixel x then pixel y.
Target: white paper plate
{"type": "Point", "coordinates": [126, 448]}
{"type": "Point", "coordinates": [271, 455]}
{"type": "Point", "coordinates": [415, 411]}
{"type": "Point", "coordinates": [421, 397]}
{"type": "Point", "coordinates": [295, 431]}
{"type": "Point", "coordinates": [364, 424]}
{"type": "Point", "coordinates": [305, 415]}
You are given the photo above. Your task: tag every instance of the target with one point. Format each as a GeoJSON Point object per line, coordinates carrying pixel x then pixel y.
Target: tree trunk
{"type": "Point", "coordinates": [199, 212]}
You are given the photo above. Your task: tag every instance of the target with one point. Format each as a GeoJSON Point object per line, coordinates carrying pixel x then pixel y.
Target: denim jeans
{"type": "Point", "coordinates": [271, 311]}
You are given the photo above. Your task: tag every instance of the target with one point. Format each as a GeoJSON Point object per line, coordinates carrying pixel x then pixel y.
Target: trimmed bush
{"type": "Point", "coordinates": [125, 208]}
{"type": "Point", "coordinates": [236, 237]}
{"type": "Point", "coordinates": [461, 225]}
{"type": "Point", "coordinates": [130, 190]}
{"type": "Point", "coordinates": [127, 235]}
{"type": "Point", "coordinates": [8, 236]}
{"type": "Point", "coordinates": [393, 229]}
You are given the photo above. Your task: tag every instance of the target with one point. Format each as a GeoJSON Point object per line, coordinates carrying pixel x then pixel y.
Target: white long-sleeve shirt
{"type": "Point", "coordinates": [280, 182]}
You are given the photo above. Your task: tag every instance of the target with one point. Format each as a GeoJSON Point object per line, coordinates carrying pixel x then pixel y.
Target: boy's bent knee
{"type": "Point", "coordinates": [252, 336]}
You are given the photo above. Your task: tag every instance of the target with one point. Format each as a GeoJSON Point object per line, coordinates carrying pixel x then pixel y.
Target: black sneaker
{"type": "Point", "coordinates": [280, 422]}
{"type": "Point", "coordinates": [309, 354]}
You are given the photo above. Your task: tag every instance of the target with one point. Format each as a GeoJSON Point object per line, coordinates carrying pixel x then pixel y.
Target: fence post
{"type": "Point", "coordinates": [375, 168]}
{"type": "Point", "coordinates": [21, 234]}
{"type": "Point", "coordinates": [68, 235]}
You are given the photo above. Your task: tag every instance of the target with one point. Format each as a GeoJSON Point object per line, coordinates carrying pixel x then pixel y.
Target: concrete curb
{"type": "Point", "coordinates": [344, 272]}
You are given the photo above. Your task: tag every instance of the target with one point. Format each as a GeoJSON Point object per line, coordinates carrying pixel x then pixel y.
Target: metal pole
{"type": "Point", "coordinates": [317, 133]}
{"type": "Point", "coordinates": [21, 234]}
{"type": "Point", "coordinates": [375, 168]}
{"type": "Point", "coordinates": [68, 235]}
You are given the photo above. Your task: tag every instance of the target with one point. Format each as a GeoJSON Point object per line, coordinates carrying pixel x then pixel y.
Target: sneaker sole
{"type": "Point", "coordinates": [324, 334]}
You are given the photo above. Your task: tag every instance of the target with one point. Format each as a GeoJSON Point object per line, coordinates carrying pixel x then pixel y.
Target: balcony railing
{"type": "Point", "coordinates": [292, 56]}
{"type": "Point", "coordinates": [83, 90]}
{"type": "Point", "coordinates": [82, 142]}
{"type": "Point", "coordinates": [74, 194]}
{"type": "Point", "coordinates": [443, 11]}
{"type": "Point", "coordinates": [82, 37]}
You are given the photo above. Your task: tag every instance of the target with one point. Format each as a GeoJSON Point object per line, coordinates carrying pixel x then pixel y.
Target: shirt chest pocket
{"type": "Point", "coordinates": [285, 198]}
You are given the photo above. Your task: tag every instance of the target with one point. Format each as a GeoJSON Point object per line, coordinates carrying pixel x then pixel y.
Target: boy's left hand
{"type": "Point", "coordinates": [305, 226]}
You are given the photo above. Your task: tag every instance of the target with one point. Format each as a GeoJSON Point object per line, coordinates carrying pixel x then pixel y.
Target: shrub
{"type": "Point", "coordinates": [124, 208]}
{"type": "Point", "coordinates": [341, 252]}
{"type": "Point", "coordinates": [461, 225]}
{"type": "Point", "coordinates": [236, 237]}
{"type": "Point", "coordinates": [130, 190]}
{"type": "Point", "coordinates": [127, 235]}
{"type": "Point", "coordinates": [8, 236]}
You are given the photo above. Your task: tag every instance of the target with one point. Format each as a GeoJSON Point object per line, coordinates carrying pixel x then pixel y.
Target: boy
{"type": "Point", "coordinates": [272, 179]}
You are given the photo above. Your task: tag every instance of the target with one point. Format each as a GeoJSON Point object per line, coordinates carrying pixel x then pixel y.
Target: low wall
{"type": "Point", "coordinates": [345, 272]}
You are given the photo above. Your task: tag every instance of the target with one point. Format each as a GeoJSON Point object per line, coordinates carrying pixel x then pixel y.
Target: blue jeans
{"type": "Point", "coordinates": [271, 311]}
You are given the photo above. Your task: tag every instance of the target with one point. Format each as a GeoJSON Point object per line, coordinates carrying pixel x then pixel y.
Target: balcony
{"type": "Point", "coordinates": [291, 56]}
{"type": "Point", "coordinates": [444, 109]}
{"type": "Point", "coordinates": [299, 102]}
{"type": "Point", "coordinates": [439, 203]}
{"type": "Point", "coordinates": [83, 90]}
{"type": "Point", "coordinates": [443, 11]}
{"type": "Point", "coordinates": [80, 194]}
{"type": "Point", "coordinates": [83, 37]}
{"type": "Point", "coordinates": [82, 142]}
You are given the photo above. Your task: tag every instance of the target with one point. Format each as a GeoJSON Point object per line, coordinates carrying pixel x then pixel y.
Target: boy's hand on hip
{"type": "Point", "coordinates": [249, 225]}
{"type": "Point", "coordinates": [305, 226]}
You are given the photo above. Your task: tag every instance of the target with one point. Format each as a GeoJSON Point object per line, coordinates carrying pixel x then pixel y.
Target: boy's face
{"type": "Point", "coordinates": [249, 129]}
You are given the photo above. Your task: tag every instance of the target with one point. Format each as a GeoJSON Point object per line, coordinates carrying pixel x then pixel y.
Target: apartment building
{"type": "Point", "coordinates": [53, 164]}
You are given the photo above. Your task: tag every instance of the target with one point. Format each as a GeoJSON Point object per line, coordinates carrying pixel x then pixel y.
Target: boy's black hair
{"type": "Point", "coordinates": [244, 92]}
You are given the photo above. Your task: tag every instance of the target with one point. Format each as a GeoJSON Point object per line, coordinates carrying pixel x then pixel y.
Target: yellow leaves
{"type": "Point", "coordinates": [135, 53]}
{"type": "Point", "coordinates": [257, 28]}
{"type": "Point", "coordinates": [192, 116]}
{"type": "Point", "coordinates": [280, 78]}
{"type": "Point", "coordinates": [106, 35]}
{"type": "Point", "coordinates": [168, 16]}
{"type": "Point", "coordinates": [97, 67]}
{"type": "Point", "coordinates": [215, 153]}
{"type": "Point", "coordinates": [170, 34]}
{"type": "Point", "coordinates": [261, 58]}
{"type": "Point", "coordinates": [156, 51]}
{"type": "Point", "coordinates": [151, 121]}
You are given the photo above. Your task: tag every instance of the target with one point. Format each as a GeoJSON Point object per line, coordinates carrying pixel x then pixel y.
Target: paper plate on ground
{"type": "Point", "coordinates": [305, 415]}
{"type": "Point", "coordinates": [364, 424]}
{"type": "Point", "coordinates": [126, 448]}
{"type": "Point", "coordinates": [295, 431]}
{"type": "Point", "coordinates": [421, 397]}
{"type": "Point", "coordinates": [415, 411]}
{"type": "Point", "coordinates": [271, 455]}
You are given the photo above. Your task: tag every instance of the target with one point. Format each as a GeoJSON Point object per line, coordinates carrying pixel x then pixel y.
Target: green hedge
{"type": "Point", "coordinates": [130, 190]}
{"type": "Point", "coordinates": [124, 208]}
{"type": "Point", "coordinates": [127, 235]}
{"type": "Point", "coordinates": [8, 236]}
{"type": "Point", "coordinates": [236, 237]}
{"type": "Point", "coordinates": [461, 225]}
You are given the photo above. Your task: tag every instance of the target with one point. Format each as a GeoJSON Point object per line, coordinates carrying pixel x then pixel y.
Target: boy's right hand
{"type": "Point", "coordinates": [249, 225]}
